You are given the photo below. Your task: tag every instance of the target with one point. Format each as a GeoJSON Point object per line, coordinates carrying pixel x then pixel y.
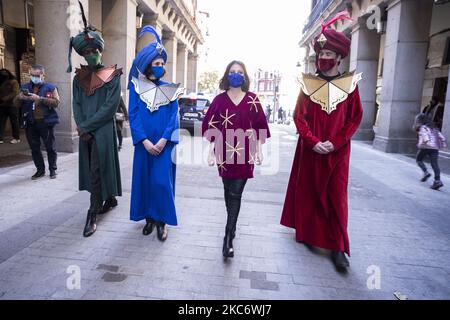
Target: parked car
{"type": "Point", "coordinates": [193, 108]}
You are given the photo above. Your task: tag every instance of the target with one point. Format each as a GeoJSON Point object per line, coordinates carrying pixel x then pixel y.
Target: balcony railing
{"type": "Point", "coordinates": [320, 7]}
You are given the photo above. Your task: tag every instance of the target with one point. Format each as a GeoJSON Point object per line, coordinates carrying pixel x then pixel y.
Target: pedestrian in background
{"type": "Point", "coordinates": [39, 100]}
{"type": "Point", "coordinates": [9, 89]}
{"type": "Point", "coordinates": [121, 116]}
{"type": "Point", "coordinates": [429, 142]}
{"type": "Point", "coordinates": [231, 114]}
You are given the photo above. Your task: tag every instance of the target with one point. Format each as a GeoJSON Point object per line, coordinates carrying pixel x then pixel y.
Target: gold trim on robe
{"type": "Point", "coordinates": [328, 94]}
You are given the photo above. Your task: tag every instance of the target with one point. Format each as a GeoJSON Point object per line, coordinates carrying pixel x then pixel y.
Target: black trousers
{"type": "Point", "coordinates": [434, 155]}
{"type": "Point", "coordinates": [35, 132]}
{"type": "Point", "coordinates": [95, 177]}
{"type": "Point", "coordinates": [13, 114]}
{"type": "Point", "coordinates": [119, 136]}
{"type": "Point", "coordinates": [233, 189]}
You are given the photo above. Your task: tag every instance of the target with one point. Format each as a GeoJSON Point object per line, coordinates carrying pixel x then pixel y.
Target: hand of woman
{"type": "Point", "coordinates": [150, 147]}
{"type": "Point", "coordinates": [161, 144]}
{"type": "Point", "coordinates": [211, 159]}
{"type": "Point", "coordinates": [259, 158]}
{"type": "Point", "coordinates": [211, 155]}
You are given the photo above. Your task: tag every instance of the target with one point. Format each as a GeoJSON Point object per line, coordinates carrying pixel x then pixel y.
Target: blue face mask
{"type": "Point", "coordinates": [235, 79]}
{"type": "Point", "coordinates": [36, 80]}
{"type": "Point", "coordinates": [158, 71]}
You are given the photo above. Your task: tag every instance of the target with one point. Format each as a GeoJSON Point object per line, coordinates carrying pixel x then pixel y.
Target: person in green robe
{"type": "Point", "coordinates": [96, 94]}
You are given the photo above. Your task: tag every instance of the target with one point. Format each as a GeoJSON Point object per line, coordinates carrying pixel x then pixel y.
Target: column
{"type": "Point", "coordinates": [51, 52]}
{"type": "Point", "coordinates": [365, 49]}
{"type": "Point", "coordinates": [182, 65]}
{"type": "Point", "coordinates": [119, 33]}
{"type": "Point", "coordinates": [171, 44]}
{"type": "Point", "coordinates": [192, 72]}
{"type": "Point", "coordinates": [446, 121]}
{"type": "Point", "coordinates": [148, 38]}
{"type": "Point", "coordinates": [403, 74]}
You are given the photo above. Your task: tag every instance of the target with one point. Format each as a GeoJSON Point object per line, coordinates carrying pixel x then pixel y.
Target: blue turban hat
{"type": "Point", "coordinates": [147, 54]}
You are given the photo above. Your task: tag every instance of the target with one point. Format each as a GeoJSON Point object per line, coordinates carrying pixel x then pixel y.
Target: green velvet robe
{"type": "Point", "coordinates": [96, 114]}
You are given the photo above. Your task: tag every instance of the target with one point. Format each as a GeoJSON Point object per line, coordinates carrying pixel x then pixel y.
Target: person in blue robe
{"type": "Point", "coordinates": [154, 123]}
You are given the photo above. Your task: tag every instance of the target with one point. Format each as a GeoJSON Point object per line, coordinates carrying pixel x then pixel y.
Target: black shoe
{"type": "Point", "coordinates": [149, 226]}
{"type": "Point", "coordinates": [228, 250]}
{"type": "Point", "coordinates": [425, 177]}
{"type": "Point", "coordinates": [119, 148]}
{"type": "Point", "coordinates": [52, 174]}
{"type": "Point", "coordinates": [162, 231]}
{"type": "Point", "coordinates": [91, 224]}
{"type": "Point", "coordinates": [37, 175]}
{"type": "Point", "coordinates": [340, 260]}
{"type": "Point", "coordinates": [108, 205]}
{"type": "Point", "coordinates": [437, 184]}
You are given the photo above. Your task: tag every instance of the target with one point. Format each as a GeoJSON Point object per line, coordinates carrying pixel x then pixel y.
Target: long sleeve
{"type": "Point", "coordinates": [14, 91]}
{"type": "Point", "coordinates": [302, 125]}
{"type": "Point", "coordinates": [171, 133]}
{"type": "Point", "coordinates": [137, 128]}
{"type": "Point", "coordinates": [354, 117]}
{"type": "Point", "coordinates": [211, 125]}
{"type": "Point", "coordinates": [52, 102]}
{"type": "Point", "coordinates": [77, 111]}
{"type": "Point", "coordinates": [107, 110]}
{"type": "Point", "coordinates": [259, 122]}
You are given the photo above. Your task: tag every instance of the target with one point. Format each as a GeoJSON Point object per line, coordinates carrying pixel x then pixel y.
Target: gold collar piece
{"type": "Point", "coordinates": [329, 93]}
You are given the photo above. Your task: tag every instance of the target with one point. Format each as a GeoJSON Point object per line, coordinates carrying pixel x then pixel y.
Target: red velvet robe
{"type": "Point", "coordinates": [316, 198]}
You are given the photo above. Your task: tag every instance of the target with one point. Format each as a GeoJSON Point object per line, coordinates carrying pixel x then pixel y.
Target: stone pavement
{"type": "Point", "coordinates": [399, 233]}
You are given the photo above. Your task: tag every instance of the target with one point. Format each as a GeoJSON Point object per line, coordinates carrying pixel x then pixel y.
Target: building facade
{"type": "Point", "coordinates": [402, 47]}
{"type": "Point", "coordinates": [38, 31]}
{"type": "Point", "coordinates": [267, 85]}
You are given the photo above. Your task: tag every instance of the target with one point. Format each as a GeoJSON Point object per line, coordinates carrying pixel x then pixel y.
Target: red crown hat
{"type": "Point", "coordinates": [331, 39]}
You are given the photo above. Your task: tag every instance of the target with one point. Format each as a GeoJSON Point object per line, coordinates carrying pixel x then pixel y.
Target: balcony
{"type": "Point", "coordinates": [320, 7]}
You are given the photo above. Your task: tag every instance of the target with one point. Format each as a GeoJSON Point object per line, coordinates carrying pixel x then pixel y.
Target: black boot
{"type": "Point", "coordinates": [149, 226]}
{"type": "Point", "coordinates": [162, 231]}
{"type": "Point", "coordinates": [340, 260]}
{"type": "Point", "coordinates": [233, 194]}
{"type": "Point", "coordinates": [228, 250]}
{"type": "Point", "coordinates": [91, 224]}
{"type": "Point", "coordinates": [109, 204]}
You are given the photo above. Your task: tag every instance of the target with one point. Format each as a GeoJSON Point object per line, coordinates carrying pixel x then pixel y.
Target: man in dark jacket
{"type": "Point", "coordinates": [38, 100]}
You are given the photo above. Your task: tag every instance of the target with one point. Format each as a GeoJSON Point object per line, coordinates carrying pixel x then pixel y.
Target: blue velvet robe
{"type": "Point", "coordinates": [153, 182]}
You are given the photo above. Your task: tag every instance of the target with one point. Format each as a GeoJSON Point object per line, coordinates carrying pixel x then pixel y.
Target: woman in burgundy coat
{"type": "Point", "coordinates": [236, 126]}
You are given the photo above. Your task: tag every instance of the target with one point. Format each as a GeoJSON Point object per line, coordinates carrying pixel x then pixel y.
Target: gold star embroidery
{"type": "Point", "coordinates": [322, 40]}
{"type": "Point", "coordinates": [226, 119]}
{"type": "Point", "coordinates": [234, 150]}
{"type": "Point", "coordinates": [253, 103]}
{"type": "Point", "coordinates": [221, 165]}
{"type": "Point", "coordinates": [211, 123]}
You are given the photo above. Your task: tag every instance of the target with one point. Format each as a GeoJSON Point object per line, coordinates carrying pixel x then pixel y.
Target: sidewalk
{"type": "Point", "coordinates": [397, 226]}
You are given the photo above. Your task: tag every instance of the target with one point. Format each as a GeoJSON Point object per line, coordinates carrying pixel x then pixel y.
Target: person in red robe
{"type": "Point", "coordinates": [327, 114]}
